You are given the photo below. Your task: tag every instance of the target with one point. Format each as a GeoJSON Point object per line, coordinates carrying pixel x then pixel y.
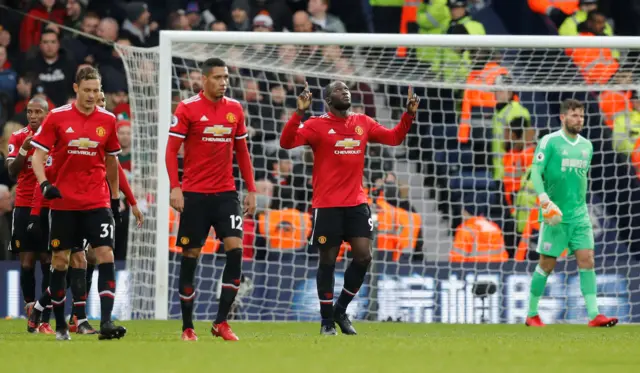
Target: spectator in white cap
{"type": "Point", "coordinates": [263, 22]}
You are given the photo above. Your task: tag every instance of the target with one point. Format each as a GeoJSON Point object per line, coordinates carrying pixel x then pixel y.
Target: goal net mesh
{"type": "Point", "coordinates": [439, 200]}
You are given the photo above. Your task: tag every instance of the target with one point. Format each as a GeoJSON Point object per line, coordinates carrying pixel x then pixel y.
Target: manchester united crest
{"type": "Point", "coordinates": [322, 239]}
{"type": "Point", "coordinates": [184, 240]}
{"type": "Point", "coordinates": [55, 243]}
{"type": "Point", "coordinates": [231, 118]}
{"type": "Point", "coordinates": [359, 130]}
{"type": "Point", "coordinates": [101, 131]}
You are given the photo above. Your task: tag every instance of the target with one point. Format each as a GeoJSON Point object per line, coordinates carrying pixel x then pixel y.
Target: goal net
{"type": "Point", "coordinates": [455, 227]}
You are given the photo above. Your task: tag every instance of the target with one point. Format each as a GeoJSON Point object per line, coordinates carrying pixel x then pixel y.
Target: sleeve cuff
{"type": "Point", "coordinates": [10, 157]}
{"type": "Point", "coordinates": [240, 137]}
{"type": "Point", "coordinates": [178, 135]}
{"type": "Point", "coordinates": [114, 152]}
{"type": "Point", "coordinates": [39, 146]}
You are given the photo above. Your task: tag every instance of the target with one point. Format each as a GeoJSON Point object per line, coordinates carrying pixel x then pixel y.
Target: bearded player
{"type": "Point", "coordinates": [559, 174]}
{"type": "Point", "coordinates": [211, 126]}
{"type": "Point", "coordinates": [83, 140]}
{"type": "Point", "coordinates": [30, 247]}
{"type": "Point", "coordinates": [338, 140]}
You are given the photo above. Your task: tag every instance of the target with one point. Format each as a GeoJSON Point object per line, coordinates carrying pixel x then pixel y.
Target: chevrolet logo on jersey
{"type": "Point", "coordinates": [217, 131]}
{"type": "Point", "coordinates": [347, 146]}
{"type": "Point", "coordinates": [82, 145]}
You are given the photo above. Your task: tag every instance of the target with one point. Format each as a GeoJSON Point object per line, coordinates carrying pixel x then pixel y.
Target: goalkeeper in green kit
{"type": "Point", "coordinates": [559, 174]}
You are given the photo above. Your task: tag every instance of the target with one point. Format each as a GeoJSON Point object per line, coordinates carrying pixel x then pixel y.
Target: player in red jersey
{"type": "Point", "coordinates": [84, 143]}
{"type": "Point", "coordinates": [29, 247]}
{"type": "Point", "coordinates": [211, 127]}
{"type": "Point", "coordinates": [338, 140]}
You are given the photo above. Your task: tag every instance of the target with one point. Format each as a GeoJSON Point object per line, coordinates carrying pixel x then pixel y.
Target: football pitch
{"type": "Point", "coordinates": [155, 347]}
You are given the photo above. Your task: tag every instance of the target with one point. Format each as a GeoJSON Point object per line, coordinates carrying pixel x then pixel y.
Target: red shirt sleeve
{"type": "Point", "coordinates": [46, 136]}
{"type": "Point", "coordinates": [112, 146]}
{"type": "Point", "coordinates": [125, 187]}
{"type": "Point", "coordinates": [295, 133]}
{"type": "Point", "coordinates": [380, 134]}
{"type": "Point", "coordinates": [241, 130]}
{"type": "Point", "coordinates": [180, 122]}
{"type": "Point", "coordinates": [14, 146]}
{"type": "Point", "coordinates": [244, 163]}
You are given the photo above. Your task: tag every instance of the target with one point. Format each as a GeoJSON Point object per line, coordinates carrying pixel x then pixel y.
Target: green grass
{"type": "Point", "coordinates": [155, 347]}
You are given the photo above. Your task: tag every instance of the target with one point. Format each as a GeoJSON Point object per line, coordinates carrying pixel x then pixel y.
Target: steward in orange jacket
{"type": "Point", "coordinates": [478, 239]}
{"type": "Point", "coordinates": [286, 229]}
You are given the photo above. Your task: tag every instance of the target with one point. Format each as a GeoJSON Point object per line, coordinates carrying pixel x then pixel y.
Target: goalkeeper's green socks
{"type": "Point", "coordinates": [588, 289]}
{"type": "Point", "coordinates": [538, 283]}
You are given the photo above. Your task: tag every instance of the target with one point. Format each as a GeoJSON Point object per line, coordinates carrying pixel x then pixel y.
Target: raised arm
{"type": "Point", "coordinates": [395, 136]}
{"type": "Point", "coordinates": [292, 136]}
{"type": "Point", "coordinates": [17, 155]}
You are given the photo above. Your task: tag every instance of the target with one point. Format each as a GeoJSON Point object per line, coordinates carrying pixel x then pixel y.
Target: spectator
{"type": "Point", "coordinates": [279, 11]}
{"type": "Point", "coordinates": [262, 23]}
{"type": "Point", "coordinates": [80, 47]}
{"type": "Point", "coordinates": [108, 29]}
{"type": "Point", "coordinates": [75, 12]}
{"type": "Point", "coordinates": [124, 137]}
{"type": "Point", "coordinates": [31, 27]}
{"type": "Point", "coordinates": [281, 169]}
{"type": "Point", "coordinates": [570, 25]}
{"type": "Point", "coordinates": [302, 22]}
{"type": "Point", "coordinates": [319, 16]}
{"type": "Point", "coordinates": [218, 26]}
{"type": "Point", "coordinates": [54, 68]}
{"type": "Point", "coordinates": [198, 20]}
{"type": "Point", "coordinates": [113, 67]}
{"type": "Point", "coordinates": [137, 27]}
{"type": "Point", "coordinates": [626, 127]}
{"type": "Point", "coordinates": [240, 11]}
{"type": "Point", "coordinates": [8, 77]}
{"type": "Point", "coordinates": [178, 21]}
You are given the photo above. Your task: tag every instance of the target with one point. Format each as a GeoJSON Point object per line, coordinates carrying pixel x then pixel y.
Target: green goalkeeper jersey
{"type": "Point", "coordinates": [560, 169]}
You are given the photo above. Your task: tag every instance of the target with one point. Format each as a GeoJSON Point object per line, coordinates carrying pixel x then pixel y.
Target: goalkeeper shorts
{"type": "Point", "coordinates": [553, 240]}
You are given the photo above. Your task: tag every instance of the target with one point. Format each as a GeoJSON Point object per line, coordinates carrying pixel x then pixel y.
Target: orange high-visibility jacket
{"type": "Point", "coordinates": [211, 244]}
{"type": "Point", "coordinates": [285, 229]}
{"type": "Point", "coordinates": [516, 164]}
{"type": "Point", "coordinates": [567, 7]}
{"type": "Point", "coordinates": [398, 229]}
{"type": "Point", "coordinates": [474, 98]}
{"type": "Point", "coordinates": [597, 65]}
{"type": "Point", "coordinates": [409, 15]}
{"type": "Point", "coordinates": [478, 240]}
{"type": "Point", "coordinates": [613, 103]}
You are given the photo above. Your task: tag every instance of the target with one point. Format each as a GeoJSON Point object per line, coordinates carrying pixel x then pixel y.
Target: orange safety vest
{"type": "Point", "coordinates": [211, 244]}
{"type": "Point", "coordinates": [567, 7]}
{"type": "Point", "coordinates": [612, 103]}
{"type": "Point", "coordinates": [478, 98]}
{"type": "Point", "coordinates": [516, 164]}
{"type": "Point", "coordinates": [597, 65]}
{"type": "Point", "coordinates": [285, 229]}
{"type": "Point", "coordinates": [478, 240]}
{"type": "Point", "coordinates": [532, 225]}
{"type": "Point", "coordinates": [409, 15]}
{"type": "Point", "coordinates": [398, 229]}
{"type": "Point", "coordinates": [635, 157]}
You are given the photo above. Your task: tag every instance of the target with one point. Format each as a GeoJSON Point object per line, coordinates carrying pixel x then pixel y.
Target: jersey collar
{"type": "Point", "coordinates": [75, 108]}
{"type": "Point", "coordinates": [568, 140]}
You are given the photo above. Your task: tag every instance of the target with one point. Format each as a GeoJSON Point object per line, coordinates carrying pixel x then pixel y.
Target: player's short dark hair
{"type": "Point", "coordinates": [211, 63]}
{"type": "Point", "coordinates": [87, 73]}
{"type": "Point", "coordinates": [49, 32]}
{"type": "Point", "coordinates": [570, 104]}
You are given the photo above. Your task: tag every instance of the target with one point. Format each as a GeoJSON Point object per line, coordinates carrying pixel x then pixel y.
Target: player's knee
{"type": "Point", "coordinates": [363, 258]}
{"type": "Point", "coordinates": [45, 258]}
{"type": "Point", "coordinates": [27, 260]}
{"type": "Point", "coordinates": [78, 260]}
{"type": "Point", "coordinates": [103, 254]}
{"type": "Point", "coordinates": [585, 262]}
{"type": "Point", "coordinates": [91, 256]}
{"type": "Point", "coordinates": [328, 256]}
{"type": "Point", "coordinates": [60, 260]}
{"type": "Point", "coordinates": [193, 252]}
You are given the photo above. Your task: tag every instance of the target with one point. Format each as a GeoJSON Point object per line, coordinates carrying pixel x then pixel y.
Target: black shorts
{"type": "Point", "coordinates": [23, 241]}
{"type": "Point", "coordinates": [332, 225]}
{"type": "Point", "coordinates": [202, 211]}
{"type": "Point", "coordinates": [69, 229]}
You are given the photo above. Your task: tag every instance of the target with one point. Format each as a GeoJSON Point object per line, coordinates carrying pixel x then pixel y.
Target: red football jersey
{"type": "Point", "coordinates": [26, 178]}
{"type": "Point", "coordinates": [339, 147]}
{"type": "Point", "coordinates": [209, 130]}
{"type": "Point", "coordinates": [80, 143]}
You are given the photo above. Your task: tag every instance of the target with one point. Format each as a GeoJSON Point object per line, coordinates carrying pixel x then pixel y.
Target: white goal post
{"type": "Point", "coordinates": [148, 254]}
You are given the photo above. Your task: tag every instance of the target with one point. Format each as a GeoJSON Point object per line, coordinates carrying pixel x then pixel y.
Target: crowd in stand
{"type": "Point", "coordinates": [40, 59]}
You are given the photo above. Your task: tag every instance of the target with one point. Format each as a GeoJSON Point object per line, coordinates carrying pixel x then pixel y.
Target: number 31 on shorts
{"type": "Point", "coordinates": [107, 231]}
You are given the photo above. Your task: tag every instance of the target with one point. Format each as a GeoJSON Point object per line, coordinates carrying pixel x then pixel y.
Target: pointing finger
{"type": "Point", "coordinates": [410, 92]}
{"type": "Point", "coordinates": [306, 86]}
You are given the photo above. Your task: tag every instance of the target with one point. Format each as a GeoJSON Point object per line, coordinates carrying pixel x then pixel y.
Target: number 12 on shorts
{"type": "Point", "coordinates": [107, 231]}
{"type": "Point", "coordinates": [236, 222]}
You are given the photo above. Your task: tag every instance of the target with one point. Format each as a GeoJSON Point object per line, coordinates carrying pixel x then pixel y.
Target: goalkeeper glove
{"type": "Point", "coordinates": [115, 209]}
{"type": "Point", "coordinates": [550, 211]}
{"type": "Point", "coordinates": [49, 191]}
